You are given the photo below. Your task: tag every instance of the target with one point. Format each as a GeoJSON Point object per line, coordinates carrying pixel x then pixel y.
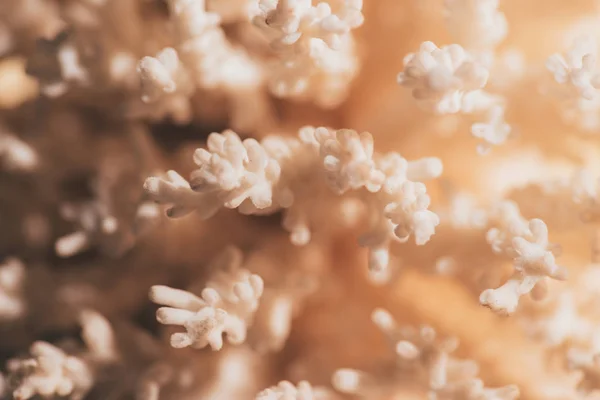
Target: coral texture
{"type": "Point", "coordinates": [299, 200]}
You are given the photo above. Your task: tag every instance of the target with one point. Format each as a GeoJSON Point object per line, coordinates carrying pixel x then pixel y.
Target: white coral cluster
{"type": "Point", "coordinates": [226, 306]}
{"type": "Point", "coordinates": [203, 59]}
{"type": "Point", "coordinates": [50, 372]}
{"type": "Point", "coordinates": [160, 75]}
{"type": "Point", "coordinates": [396, 201]}
{"type": "Point", "coordinates": [314, 47]}
{"type": "Point", "coordinates": [451, 79]}
{"type": "Point", "coordinates": [576, 70]}
{"type": "Point", "coordinates": [347, 157]}
{"type": "Point", "coordinates": [203, 48]}
{"type": "Point", "coordinates": [231, 173]}
{"type": "Point", "coordinates": [173, 189]}
{"type": "Point", "coordinates": [233, 63]}
{"type": "Point", "coordinates": [166, 84]}
{"type": "Point", "coordinates": [577, 80]}
{"type": "Point", "coordinates": [526, 242]}
{"type": "Point", "coordinates": [260, 178]}
{"type": "Point", "coordinates": [506, 222]}
{"type": "Point", "coordinates": [399, 208]}
{"type": "Point", "coordinates": [240, 173]}
{"type": "Point", "coordinates": [440, 77]}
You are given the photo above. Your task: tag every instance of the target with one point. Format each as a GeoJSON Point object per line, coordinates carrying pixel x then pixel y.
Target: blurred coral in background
{"type": "Point", "coordinates": [300, 200]}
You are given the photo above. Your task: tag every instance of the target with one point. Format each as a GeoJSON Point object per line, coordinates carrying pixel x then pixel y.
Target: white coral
{"type": "Point", "coordinates": [399, 209]}
{"type": "Point", "coordinates": [535, 257]}
{"type": "Point", "coordinates": [50, 372]}
{"type": "Point", "coordinates": [204, 49]}
{"type": "Point", "coordinates": [288, 22]}
{"type": "Point", "coordinates": [177, 192]}
{"type": "Point", "coordinates": [506, 222]}
{"type": "Point", "coordinates": [297, 174]}
{"type": "Point", "coordinates": [203, 58]}
{"type": "Point", "coordinates": [410, 213]}
{"type": "Point", "coordinates": [314, 47]}
{"type": "Point", "coordinates": [240, 173]}
{"type": "Point", "coordinates": [576, 70]}
{"type": "Point", "coordinates": [440, 77]}
{"type": "Point", "coordinates": [347, 158]}
{"type": "Point", "coordinates": [226, 306]}
{"type": "Point", "coordinates": [159, 74]}
{"type": "Point", "coordinates": [533, 264]}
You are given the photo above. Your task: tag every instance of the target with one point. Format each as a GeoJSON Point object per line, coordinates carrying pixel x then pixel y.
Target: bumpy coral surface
{"type": "Point", "coordinates": [299, 199]}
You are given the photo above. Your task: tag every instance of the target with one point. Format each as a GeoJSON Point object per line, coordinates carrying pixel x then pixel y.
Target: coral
{"type": "Point", "coordinates": [313, 45]}
{"type": "Point", "coordinates": [441, 77]}
{"type": "Point", "coordinates": [533, 260]}
{"type": "Point", "coordinates": [576, 68]}
{"type": "Point", "coordinates": [299, 200]}
{"type": "Point", "coordinates": [226, 306]}
{"type": "Point", "coordinates": [261, 178]}
{"type": "Point", "coordinates": [49, 372]}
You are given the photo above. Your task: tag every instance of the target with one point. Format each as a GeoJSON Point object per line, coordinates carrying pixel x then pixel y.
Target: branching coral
{"type": "Point", "coordinates": [290, 223]}
{"type": "Point", "coordinates": [533, 260]}
{"type": "Point", "coordinates": [203, 57]}
{"type": "Point", "coordinates": [577, 68]}
{"type": "Point", "coordinates": [441, 77]}
{"type": "Point", "coordinates": [260, 178]}
{"type": "Point", "coordinates": [52, 372]}
{"type": "Point", "coordinates": [314, 47]}
{"type": "Point", "coordinates": [226, 306]}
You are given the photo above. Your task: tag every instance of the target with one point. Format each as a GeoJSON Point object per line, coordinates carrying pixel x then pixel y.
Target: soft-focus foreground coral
{"type": "Point", "coordinates": [300, 199]}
